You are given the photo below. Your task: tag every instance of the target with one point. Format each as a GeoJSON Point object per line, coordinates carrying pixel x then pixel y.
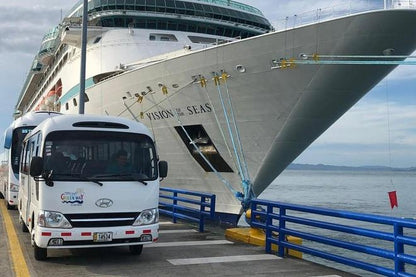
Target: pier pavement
{"type": "Point", "coordinates": [180, 251]}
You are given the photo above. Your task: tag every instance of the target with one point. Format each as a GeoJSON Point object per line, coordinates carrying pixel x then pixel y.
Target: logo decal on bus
{"type": "Point", "coordinates": [74, 198]}
{"type": "Point", "coordinates": [104, 203]}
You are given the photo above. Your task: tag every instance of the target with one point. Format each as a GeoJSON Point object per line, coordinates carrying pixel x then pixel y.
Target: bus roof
{"type": "Point", "coordinates": [30, 119]}
{"type": "Point", "coordinates": [69, 122]}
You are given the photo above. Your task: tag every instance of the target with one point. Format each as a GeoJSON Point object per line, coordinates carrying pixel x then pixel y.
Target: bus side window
{"type": "Point", "coordinates": [25, 158]}
{"type": "Point", "coordinates": [22, 157]}
{"type": "Point", "coordinates": [28, 150]}
{"type": "Point", "coordinates": [37, 145]}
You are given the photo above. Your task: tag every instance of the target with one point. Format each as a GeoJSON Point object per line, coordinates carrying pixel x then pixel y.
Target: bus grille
{"type": "Point", "coordinates": [101, 219]}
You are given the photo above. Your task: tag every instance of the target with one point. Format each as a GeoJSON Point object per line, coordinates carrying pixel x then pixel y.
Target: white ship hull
{"type": "Point", "coordinates": [279, 112]}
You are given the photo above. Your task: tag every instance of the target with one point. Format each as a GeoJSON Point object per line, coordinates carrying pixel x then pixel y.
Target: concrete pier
{"type": "Point", "coordinates": [180, 251]}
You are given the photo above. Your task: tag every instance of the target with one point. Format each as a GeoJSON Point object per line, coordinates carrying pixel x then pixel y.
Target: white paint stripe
{"type": "Point", "coordinates": [177, 231]}
{"type": "Point", "coordinates": [165, 223]}
{"type": "Point", "coordinates": [188, 243]}
{"type": "Point", "coordinates": [224, 259]}
{"type": "Point", "coordinates": [327, 276]}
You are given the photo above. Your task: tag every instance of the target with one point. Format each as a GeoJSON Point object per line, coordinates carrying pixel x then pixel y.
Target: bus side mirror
{"type": "Point", "coordinates": [163, 169]}
{"type": "Point", "coordinates": [36, 166]}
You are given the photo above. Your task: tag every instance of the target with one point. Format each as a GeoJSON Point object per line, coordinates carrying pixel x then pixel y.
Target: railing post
{"type": "Point", "coordinates": [212, 206]}
{"type": "Point", "coordinates": [398, 249]}
{"type": "Point", "coordinates": [201, 212]}
{"type": "Point", "coordinates": [175, 202]}
{"type": "Point", "coordinates": [282, 225]}
{"type": "Point", "coordinates": [268, 229]}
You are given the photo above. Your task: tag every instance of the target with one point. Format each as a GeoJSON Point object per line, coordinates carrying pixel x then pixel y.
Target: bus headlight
{"type": "Point", "coordinates": [14, 187]}
{"type": "Point", "coordinates": [147, 217]}
{"type": "Point", "coordinates": [53, 220]}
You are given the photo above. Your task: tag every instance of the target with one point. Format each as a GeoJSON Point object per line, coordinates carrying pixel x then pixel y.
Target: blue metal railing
{"type": "Point", "coordinates": [187, 205]}
{"type": "Point", "coordinates": [275, 217]}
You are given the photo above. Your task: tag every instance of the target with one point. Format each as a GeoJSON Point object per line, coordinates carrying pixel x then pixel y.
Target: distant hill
{"type": "Point", "coordinates": [294, 166]}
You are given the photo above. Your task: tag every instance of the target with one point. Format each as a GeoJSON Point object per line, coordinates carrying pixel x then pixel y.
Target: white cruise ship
{"type": "Point", "coordinates": [226, 95]}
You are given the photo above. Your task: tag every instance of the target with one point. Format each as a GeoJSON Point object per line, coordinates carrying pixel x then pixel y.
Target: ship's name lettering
{"type": "Point", "coordinates": [187, 111]}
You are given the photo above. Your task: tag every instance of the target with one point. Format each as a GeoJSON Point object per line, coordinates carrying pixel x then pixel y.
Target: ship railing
{"type": "Point", "coordinates": [236, 5]}
{"type": "Point", "coordinates": [379, 244]}
{"type": "Point", "coordinates": [187, 205]}
{"type": "Point", "coordinates": [98, 14]}
{"type": "Point", "coordinates": [346, 8]}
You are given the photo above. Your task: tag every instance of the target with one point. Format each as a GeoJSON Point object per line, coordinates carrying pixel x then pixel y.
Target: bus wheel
{"type": "Point", "coordinates": [40, 253]}
{"type": "Point", "coordinates": [9, 207]}
{"type": "Point", "coordinates": [136, 249]}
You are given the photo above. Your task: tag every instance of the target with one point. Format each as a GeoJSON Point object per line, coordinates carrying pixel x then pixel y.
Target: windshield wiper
{"type": "Point", "coordinates": [80, 177]}
{"type": "Point", "coordinates": [135, 176]}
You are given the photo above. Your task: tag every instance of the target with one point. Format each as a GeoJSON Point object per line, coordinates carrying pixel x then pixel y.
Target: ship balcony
{"type": "Point", "coordinates": [45, 56]}
{"type": "Point", "coordinates": [72, 34]}
{"type": "Point", "coordinates": [38, 67]}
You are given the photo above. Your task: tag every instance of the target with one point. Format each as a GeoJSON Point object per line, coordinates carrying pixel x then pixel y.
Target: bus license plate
{"type": "Point", "coordinates": [103, 236]}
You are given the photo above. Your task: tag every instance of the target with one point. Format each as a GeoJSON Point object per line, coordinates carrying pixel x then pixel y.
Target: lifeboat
{"type": "Point", "coordinates": [59, 91]}
{"type": "Point", "coordinates": [50, 98]}
{"type": "Point", "coordinates": [41, 106]}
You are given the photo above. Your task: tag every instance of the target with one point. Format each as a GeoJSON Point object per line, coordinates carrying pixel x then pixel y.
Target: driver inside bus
{"type": "Point", "coordinates": [56, 162]}
{"type": "Point", "coordinates": [120, 163]}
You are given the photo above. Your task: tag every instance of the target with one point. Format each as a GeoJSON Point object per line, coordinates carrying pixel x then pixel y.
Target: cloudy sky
{"type": "Point", "coordinates": [379, 130]}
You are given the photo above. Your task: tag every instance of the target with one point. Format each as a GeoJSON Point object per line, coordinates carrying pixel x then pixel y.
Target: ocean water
{"type": "Point", "coordinates": [356, 191]}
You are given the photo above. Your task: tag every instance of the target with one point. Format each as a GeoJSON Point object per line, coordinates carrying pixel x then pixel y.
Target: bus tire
{"type": "Point", "coordinates": [24, 227]}
{"type": "Point", "coordinates": [136, 249]}
{"type": "Point", "coordinates": [40, 253]}
{"type": "Point", "coordinates": [9, 207]}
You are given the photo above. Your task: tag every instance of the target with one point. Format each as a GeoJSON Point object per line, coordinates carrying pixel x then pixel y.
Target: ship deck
{"type": "Point", "coordinates": [180, 251]}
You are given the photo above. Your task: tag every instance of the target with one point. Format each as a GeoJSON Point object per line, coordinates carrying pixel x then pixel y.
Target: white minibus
{"type": "Point", "coordinates": [89, 181]}
{"type": "Point", "coordinates": [13, 138]}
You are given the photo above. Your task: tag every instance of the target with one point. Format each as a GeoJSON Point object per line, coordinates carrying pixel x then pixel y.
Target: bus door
{"type": "Point", "coordinates": [30, 187]}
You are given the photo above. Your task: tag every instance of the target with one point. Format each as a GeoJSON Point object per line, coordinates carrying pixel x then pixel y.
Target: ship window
{"type": "Point", "coordinates": [160, 3]}
{"type": "Point", "coordinates": [120, 4]}
{"type": "Point", "coordinates": [75, 102]}
{"type": "Point", "coordinates": [162, 37]}
{"type": "Point", "coordinates": [205, 145]}
{"type": "Point", "coordinates": [67, 106]}
{"type": "Point", "coordinates": [162, 25]}
{"type": "Point", "coordinates": [180, 5]}
{"type": "Point", "coordinates": [139, 8]}
{"type": "Point", "coordinates": [182, 27]}
{"type": "Point", "coordinates": [204, 40]}
{"type": "Point", "coordinates": [172, 25]}
{"type": "Point", "coordinates": [170, 3]}
{"type": "Point", "coordinates": [119, 22]}
{"type": "Point", "coordinates": [151, 24]}
{"type": "Point", "coordinates": [189, 6]}
{"type": "Point", "coordinates": [97, 39]}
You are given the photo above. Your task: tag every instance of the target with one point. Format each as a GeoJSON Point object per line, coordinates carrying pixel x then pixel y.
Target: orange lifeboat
{"type": "Point", "coordinates": [59, 91]}
{"type": "Point", "coordinates": [42, 106]}
{"type": "Point", "coordinates": [50, 98]}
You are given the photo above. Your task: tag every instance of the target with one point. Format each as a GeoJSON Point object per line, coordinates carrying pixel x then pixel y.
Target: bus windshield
{"type": "Point", "coordinates": [17, 139]}
{"type": "Point", "coordinates": [77, 155]}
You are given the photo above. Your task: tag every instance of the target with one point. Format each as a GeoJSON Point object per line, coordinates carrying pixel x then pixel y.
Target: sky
{"type": "Point", "coordinates": [379, 130]}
